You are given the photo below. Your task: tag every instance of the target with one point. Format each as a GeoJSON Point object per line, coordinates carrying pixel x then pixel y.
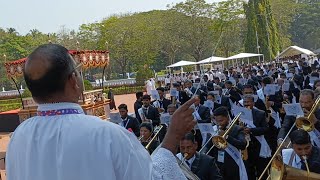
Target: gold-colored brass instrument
{"type": "Point", "coordinates": [220, 141]}
{"type": "Point", "coordinates": [306, 123]}
{"type": "Point", "coordinates": [156, 133]}
{"type": "Point", "coordinates": [185, 169]}
{"type": "Point", "coordinates": [281, 171]}
{"type": "Point", "coordinates": [139, 139]}
{"type": "Point", "coordinates": [276, 154]}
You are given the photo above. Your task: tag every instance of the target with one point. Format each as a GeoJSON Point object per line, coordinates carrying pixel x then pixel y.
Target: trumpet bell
{"type": "Point", "coordinates": [305, 124]}
{"type": "Point", "coordinates": [220, 142]}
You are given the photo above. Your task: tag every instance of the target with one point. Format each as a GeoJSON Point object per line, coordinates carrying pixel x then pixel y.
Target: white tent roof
{"type": "Point", "coordinates": [211, 59]}
{"type": "Point", "coordinates": [243, 55]}
{"type": "Point", "coordinates": [295, 50]}
{"type": "Point", "coordinates": [182, 63]}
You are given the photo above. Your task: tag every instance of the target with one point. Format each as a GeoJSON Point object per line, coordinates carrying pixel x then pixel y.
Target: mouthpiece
{"type": "Point", "coordinates": [185, 155]}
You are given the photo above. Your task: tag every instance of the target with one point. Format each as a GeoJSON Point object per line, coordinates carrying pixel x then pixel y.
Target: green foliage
{"type": "Point", "coordinates": [26, 93]}
{"type": "Point", "coordinates": [8, 107]}
{"type": "Point", "coordinates": [125, 90]}
{"type": "Point", "coordinates": [10, 101]}
{"type": "Point", "coordinates": [87, 85]}
{"type": "Point", "coordinates": [305, 29]}
{"type": "Point", "coordinates": [143, 74]}
{"type": "Point", "coordinates": [261, 24]}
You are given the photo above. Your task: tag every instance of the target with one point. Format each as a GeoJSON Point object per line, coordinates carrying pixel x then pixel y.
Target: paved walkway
{"type": "Point", "coordinates": [127, 99]}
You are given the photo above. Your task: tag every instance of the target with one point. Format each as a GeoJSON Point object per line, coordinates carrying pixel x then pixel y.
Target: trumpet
{"type": "Point", "coordinates": [220, 141]}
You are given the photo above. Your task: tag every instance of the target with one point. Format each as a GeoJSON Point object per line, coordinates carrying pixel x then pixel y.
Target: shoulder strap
{"type": "Point", "coordinates": [291, 158]}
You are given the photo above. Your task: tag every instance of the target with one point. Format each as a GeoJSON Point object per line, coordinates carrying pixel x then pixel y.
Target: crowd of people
{"type": "Point", "coordinates": [63, 143]}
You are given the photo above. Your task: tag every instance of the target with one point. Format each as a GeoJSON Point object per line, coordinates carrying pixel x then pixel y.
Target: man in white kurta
{"type": "Point", "coordinates": [80, 147]}
{"type": "Point", "coordinates": [62, 143]}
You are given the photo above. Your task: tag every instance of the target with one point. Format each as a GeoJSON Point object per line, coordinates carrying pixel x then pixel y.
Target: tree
{"type": "Point", "coordinates": [262, 25]}
{"type": "Point", "coordinates": [305, 28]}
{"type": "Point", "coordinates": [230, 25]}
{"type": "Point", "coordinates": [198, 32]}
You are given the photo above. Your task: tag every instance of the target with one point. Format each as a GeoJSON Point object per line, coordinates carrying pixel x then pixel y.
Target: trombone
{"type": "Point", "coordinates": [156, 131]}
{"type": "Point", "coordinates": [304, 123]}
{"type": "Point", "coordinates": [220, 141]}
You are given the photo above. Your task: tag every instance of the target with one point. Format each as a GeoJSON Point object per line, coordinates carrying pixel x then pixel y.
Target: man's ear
{"type": "Point", "coordinates": [74, 81]}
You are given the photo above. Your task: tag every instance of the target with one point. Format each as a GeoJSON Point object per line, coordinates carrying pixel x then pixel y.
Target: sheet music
{"type": "Point", "coordinates": [173, 92]}
{"type": "Point", "coordinates": [293, 109]}
{"type": "Point", "coordinates": [155, 95]}
{"type": "Point", "coordinates": [115, 117]}
{"type": "Point", "coordinates": [165, 118]}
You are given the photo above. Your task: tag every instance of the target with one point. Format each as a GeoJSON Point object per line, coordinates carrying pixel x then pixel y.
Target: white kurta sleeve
{"type": "Point", "coordinates": [165, 166]}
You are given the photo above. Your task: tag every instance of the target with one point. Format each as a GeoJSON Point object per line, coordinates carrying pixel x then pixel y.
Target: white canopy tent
{"type": "Point", "coordinates": [295, 50]}
{"type": "Point", "coordinates": [244, 56]}
{"type": "Point", "coordinates": [181, 63]}
{"type": "Point", "coordinates": [211, 60]}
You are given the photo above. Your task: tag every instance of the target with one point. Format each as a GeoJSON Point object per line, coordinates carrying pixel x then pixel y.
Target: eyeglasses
{"type": "Point", "coordinates": [76, 68]}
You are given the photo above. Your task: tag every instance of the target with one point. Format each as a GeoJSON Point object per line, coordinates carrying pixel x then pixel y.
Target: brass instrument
{"type": "Point", "coordinates": [156, 133]}
{"type": "Point", "coordinates": [306, 123]}
{"type": "Point", "coordinates": [220, 141]}
{"type": "Point", "coordinates": [139, 139]}
{"type": "Point", "coordinates": [276, 154]}
{"type": "Point", "coordinates": [281, 171]}
{"type": "Point", "coordinates": [184, 168]}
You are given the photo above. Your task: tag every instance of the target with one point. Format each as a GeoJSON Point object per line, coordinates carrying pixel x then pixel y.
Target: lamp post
{"type": "Point", "coordinates": [104, 67]}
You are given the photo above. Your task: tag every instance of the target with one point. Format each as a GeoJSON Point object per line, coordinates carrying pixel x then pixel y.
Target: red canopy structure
{"type": "Point", "coordinates": [88, 58]}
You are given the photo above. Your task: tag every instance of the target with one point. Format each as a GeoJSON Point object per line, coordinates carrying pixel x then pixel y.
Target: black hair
{"type": "Point", "coordinates": [228, 82]}
{"type": "Point", "coordinates": [55, 78]}
{"type": "Point", "coordinates": [248, 86]}
{"type": "Point", "coordinates": [139, 95]}
{"type": "Point", "coordinates": [160, 89]}
{"type": "Point", "coordinates": [123, 106]}
{"type": "Point", "coordinates": [300, 136]}
{"type": "Point", "coordinates": [307, 92]}
{"type": "Point", "coordinates": [147, 125]}
{"type": "Point", "coordinates": [176, 85]}
{"type": "Point", "coordinates": [189, 137]}
{"type": "Point", "coordinates": [146, 96]}
{"type": "Point", "coordinates": [267, 80]}
{"type": "Point", "coordinates": [221, 111]}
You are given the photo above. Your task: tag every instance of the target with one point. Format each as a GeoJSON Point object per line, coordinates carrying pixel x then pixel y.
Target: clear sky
{"type": "Point", "coordinates": [49, 15]}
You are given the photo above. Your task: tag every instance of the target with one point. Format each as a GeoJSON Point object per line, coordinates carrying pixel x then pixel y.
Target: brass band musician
{"type": "Point", "coordinates": [302, 148]}
{"type": "Point", "coordinates": [202, 165]}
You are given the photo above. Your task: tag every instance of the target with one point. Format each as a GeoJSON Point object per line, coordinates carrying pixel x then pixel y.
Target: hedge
{"type": "Point", "coordinates": [8, 107]}
{"type": "Point", "coordinates": [125, 90]}
{"type": "Point", "coordinates": [10, 101]}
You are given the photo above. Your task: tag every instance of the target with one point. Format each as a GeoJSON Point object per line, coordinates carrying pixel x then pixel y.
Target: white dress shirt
{"type": "Point", "coordinates": [81, 147]}
{"type": "Point", "coordinates": [296, 162]}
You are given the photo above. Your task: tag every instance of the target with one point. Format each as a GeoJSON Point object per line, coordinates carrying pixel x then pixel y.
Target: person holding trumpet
{"type": "Point", "coordinates": [302, 151]}
{"type": "Point", "coordinates": [202, 165]}
{"type": "Point", "coordinates": [229, 160]}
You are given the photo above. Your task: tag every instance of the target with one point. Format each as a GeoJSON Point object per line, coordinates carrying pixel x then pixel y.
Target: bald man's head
{"type": "Point", "coordinates": [47, 69]}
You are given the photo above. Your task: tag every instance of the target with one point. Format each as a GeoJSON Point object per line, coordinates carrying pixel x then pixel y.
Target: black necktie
{"type": "Point", "coordinates": [187, 162]}
{"type": "Point", "coordinates": [303, 165]}
{"type": "Point", "coordinates": [161, 104]}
